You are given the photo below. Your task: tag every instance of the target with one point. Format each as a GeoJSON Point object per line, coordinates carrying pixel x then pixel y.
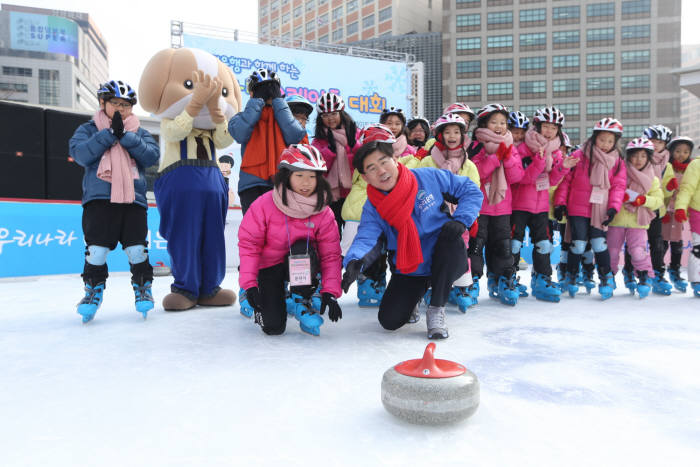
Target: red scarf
{"type": "Point", "coordinates": [396, 207]}
{"type": "Point", "coordinates": [264, 147]}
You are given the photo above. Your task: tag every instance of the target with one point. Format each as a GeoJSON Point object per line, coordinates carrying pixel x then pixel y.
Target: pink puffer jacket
{"type": "Point", "coordinates": [486, 164]}
{"type": "Point", "coordinates": [262, 242]}
{"type": "Point", "coordinates": [329, 156]}
{"type": "Point", "coordinates": [575, 190]}
{"type": "Point", "coordinates": [526, 197]}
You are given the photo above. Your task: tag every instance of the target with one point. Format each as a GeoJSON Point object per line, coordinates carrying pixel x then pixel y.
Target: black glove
{"type": "Point", "coordinates": [117, 125]}
{"type": "Point", "coordinates": [253, 296]}
{"type": "Point", "coordinates": [352, 270]}
{"type": "Point", "coordinates": [611, 212]}
{"type": "Point", "coordinates": [559, 212]}
{"type": "Point", "coordinates": [452, 229]}
{"type": "Point", "coordinates": [334, 311]}
{"type": "Point", "coordinates": [474, 149]}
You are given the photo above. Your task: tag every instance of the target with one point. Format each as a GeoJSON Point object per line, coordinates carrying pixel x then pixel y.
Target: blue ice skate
{"type": "Point", "coordinates": [521, 288]}
{"type": "Point", "coordinates": [369, 293]}
{"type": "Point", "coordinates": [309, 321]}
{"type": "Point", "coordinates": [678, 282]}
{"type": "Point", "coordinates": [659, 284]}
{"type": "Point", "coordinates": [143, 298]}
{"type": "Point", "coordinates": [571, 285]}
{"type": "Point", "coordinates": [91, 301]}
{"type": "Point", "coordinates": [474, 290]}
{"type": "Point", "coordinates": [561, 276]}
{"type": "Point", "coordinates": [588, 282]}
{"type": "Point", "coordinates": [696, 289]}
{"type": "Point", "coordinates": [644, 285]}
{"type": "Point", "coordinates": [507, 291]}
{"type": "Point", "coordinates": [630, 281]}
{"type": "Point", "coordinates": [492, 285]}
{"type": "Point", "coordinates": [460, 297]}
{"type": "Point", "coordinates": [544, 289]}
{"type": "Point", "coordinates": [605, 288]}
{"type": "Point", "coordinates": [246, 309]}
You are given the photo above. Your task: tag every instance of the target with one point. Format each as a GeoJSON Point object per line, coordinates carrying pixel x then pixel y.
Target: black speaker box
{"type": "Point", "coordinates": [63, 175]}
{"type": "Point", "coordinates": [22, 163]}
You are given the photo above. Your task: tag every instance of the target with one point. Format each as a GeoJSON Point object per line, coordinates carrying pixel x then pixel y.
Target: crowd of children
{"type": "Point", "coordinates": [304, 205]}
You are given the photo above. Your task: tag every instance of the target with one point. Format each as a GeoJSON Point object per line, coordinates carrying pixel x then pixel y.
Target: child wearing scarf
{"type": "Point", "coordinates": [642, 198]}
{"type": "Point", "coordinates": [291, 220]}
{"type": "Point", "coordinates": [518, 124]}
{"type": "Point", "coordinates": [499, 167]}
{"type": "Point", "coordinates": [673, 226]}
{"type": "Point", "coordinates": [688, 208]}
{"type": "Point", "coordinates": [590, 196]}
{"type": "Point", "coordinates": [115, 152]}
{"type": "Point", "coordinates": [449, 153]}
{"type": "Point", "coordinates": [395, 120]}
{"type": "Point", "coordinates": [544, 166]}
{"type": "Point", "coordinates": [418, 129]}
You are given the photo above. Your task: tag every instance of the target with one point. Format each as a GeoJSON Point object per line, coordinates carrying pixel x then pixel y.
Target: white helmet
{"type": "Point", "coordinates": [549, 115]}
{"type": "Point", "coordinates": [488, 109]}
{"type": "Point", "coordinates": [329, 102]}
{"type": "Point", "coordinates": [302, 157]}
{"type": "Point", "coordinates": [640, 143]}
{"type": "Point", "coordinates": [608, 124]}
{"type": "Point", "coordinates": [449, 119]}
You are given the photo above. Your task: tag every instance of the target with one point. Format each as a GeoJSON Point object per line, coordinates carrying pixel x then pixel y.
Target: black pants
{"type": "Point", "coordinates": [337, 208]}
{"type": "Point", "coordinates": [494, 235]}
{"type": "Point", "coordinates": [539, 231]}
{"type": "Point", "coordinates": [582, 230]}
{"type": "Point", "coordinates": [272, 292]}
{"type": "Point", "coordinates": [377, 270]}
{"type": "Point", "coordinates": [656, 247]}
{"type": "Point", "coordinates": [404, 292]}
{"type": "Point", "coordinates": [676, 253]}
{"type": "Point", "coordinates": [251, 194]}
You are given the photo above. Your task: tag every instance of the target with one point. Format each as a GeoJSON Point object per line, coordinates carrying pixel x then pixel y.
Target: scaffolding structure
{"type": "Point", "coordinates": [415, 69]}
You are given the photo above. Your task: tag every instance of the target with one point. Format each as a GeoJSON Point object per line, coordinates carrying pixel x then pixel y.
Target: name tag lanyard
{"type": "Point", "coordinates": [299, 265]}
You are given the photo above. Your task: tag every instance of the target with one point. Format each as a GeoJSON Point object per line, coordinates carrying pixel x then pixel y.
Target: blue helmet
{"type": "Point", "coordinates": [119, 89]}
{"type": "Point", "coordinates": [297, 100]}
{"type": "Point", "coordinates": [517, 119]}
{"type": "Point", "coordinates": [260, 76]}
{"type": "Point", "coordinates": [659, 132]}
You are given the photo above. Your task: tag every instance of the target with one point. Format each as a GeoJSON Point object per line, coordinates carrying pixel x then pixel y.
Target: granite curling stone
{"type": "Point", "coordinates": [430, 391]}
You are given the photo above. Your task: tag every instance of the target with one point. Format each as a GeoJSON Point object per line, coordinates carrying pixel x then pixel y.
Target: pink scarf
{"type": "Point", "coordinates": [449, 159]}
{"type": "Point", "coordinates": [491, 141]}
{"type": "Point", "coordinates": [400, 146]}
{"type": "Point", "coordinates": [659, 161]}
{"type": "Point", "coordinates": [538, 143]}
{"type": "Point", "coordinates": [640, 182]}
{"type": "Point", "coordinates": [298, 206]}
{"type": "Point", "coordinates": [340, 175]}
{"type": "Point", "coordinates": [117, 166]}
{"type": "Point", "coordinates": [601, 164]}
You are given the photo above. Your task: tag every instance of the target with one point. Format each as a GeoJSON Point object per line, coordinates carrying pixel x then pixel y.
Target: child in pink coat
{"type": "Point", "coordinates": [544, 166]}
{"type": "Point", "coordinates": [499, 167]}
{"type": "Point", "coordinates": [395, 120]}
{"type": "Point", "coordinates": [289, 234]}
{"type": "Point", "coordinates": [590, 196]}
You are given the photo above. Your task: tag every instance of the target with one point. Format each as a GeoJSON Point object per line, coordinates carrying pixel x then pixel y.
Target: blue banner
{"type": "Point", "coordinates": [41, 33]}
{"type": "Point", "coordinates": [39, 238]}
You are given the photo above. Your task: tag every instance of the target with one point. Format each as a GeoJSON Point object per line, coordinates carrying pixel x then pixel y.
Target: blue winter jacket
{"type": "Point", "coordinates": [241, 128]}
{"type": "Point", "coordinates": [87, 147]}
{"type": "Point", "coordinates": [434, 186]}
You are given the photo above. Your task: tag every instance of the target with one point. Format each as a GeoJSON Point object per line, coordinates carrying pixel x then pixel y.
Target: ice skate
{"type": "Point", "coordinates": [492, 285]}
{"type": "Point", "coordinates": [143, 298]}
{"type": "Point", "coordinates": [644, 285]}
{"type": "Point", "coordinates": [571, 285]}
{"type": "Point", "coordinates": [246, 309]}
{"type": "Point", "coordinates": [659, 284]}
{"type": "Point", "coordinates": [369, 293]}
{"type": "Point", "coordinates": [91, 301]}
{"type": "Point", "coordinates": [473, 290]}
{"type": "Point", "coordinates": [460, 297]}
{"type": "Point", "coordinates": [696, 289]}
{"type": "Point", "coordinates": [588, 281]}
{"type": "Point", "coordinates": [301, 308]}
{"type": "Point", "coordinates": [521, 288]}
{"type": "Point", "coordinates": [435, 318]}
{"type": "Point", "coordinates": [678, 282]}
{"type": "Point", "coordinates": [606, 285]}
{"type": "Point", "coordinates": [544, 289]}
{"type": "Point", "coordinates": [507, 291]}
{"type": "Point", "coordinates": [630, 281]}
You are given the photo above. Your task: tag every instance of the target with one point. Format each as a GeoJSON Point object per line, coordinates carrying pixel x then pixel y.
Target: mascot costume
{"type": "Point", "coordinates": [194, 94]}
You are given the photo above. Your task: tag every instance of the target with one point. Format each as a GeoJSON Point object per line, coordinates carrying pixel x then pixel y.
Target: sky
{"type": "Point", "coordinates": [135, 31]}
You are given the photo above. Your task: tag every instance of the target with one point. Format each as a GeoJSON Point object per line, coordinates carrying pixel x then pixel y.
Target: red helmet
{"type": "Point", "coordinates": [488, 109]}
{"type": "Point", "coordinates": [376, 132]}
{"type": "Point", "coordinates": [549, 115]}
{"type": "Point", "coordinates": [329, 102]}
{"type": "Point", "coordinates": [640, 143]}
{"type": "Point", "coordinates": [459, 107]}
{"type": "Point", "coordinates": [609, 124]}
{"type": "Point", "coordinates": [302, 157]}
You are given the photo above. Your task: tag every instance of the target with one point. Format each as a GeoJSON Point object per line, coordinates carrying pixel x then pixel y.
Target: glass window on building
{"type": "Point", "coordinates": [323, 19]}
{"type": "Point", "coordinates": [634, 7]}
{"type": "Point", "coordinates": [351, 6]}
{"type": "Point", "coordinates": [352, 28]}
{"type": "Point", "coordinates": [337, 13]}
{"type": "Point", "coordinates": [310, 5]}
{"type": "Point", "coordinates": [298, 31]}
{"type": "Point", "coordinates": [468, 20]}
{"type": "Point", "coordinates": [499, 41]}
{"type": "Point", "coordinates": [530, 87]}
{"type": "Point", "coordinates": [367, 2]}
{"type": "Point", "coordinates": [385, 14]}
{"type": "Point", "coordinates": [635, 57]}
{"type": "Point", "coordinates": [504, 64]}
{"type": "Point", "coordinates": [565, 85]}
{"type": "Point", "coordinates": [499, 89]}
{"type": "Point", "coordinates": [499, 17]}
{"type": "Point", "coordinates": [285, 17]}
{"type": "Point", "coordinates": [463, 3]}
{"type": "Point", "coordinates": [264, 30]}
{"type": "Point", "coordinates": [566, 61]}
{"type": "Point", "coordinates": [533, 63]}
{"type": "Point", "coordinates": [286, 36]}
{"type": "Point", "coordinates": [570, 110]}
{"type": "Point", "coordinates": [49, 87]}
{"type": "Point", "coordinates": [600, 34]}
{"type": "Point", "coordinates": [297, 11]}
{"type": "Point", "coordinates": [574, 134]}
{"type": "Point", "coordinates": [15, 87]}
{"type": "Point", "coordinates": [469, 43]}
{"type": "Point", "coordinates": [528, 110]}
{"type": "Point", "coordinates": [469, 66]}
{"type": "Point", "coordinates": [565, 37]}
{"type": "Point", "coordinates": [635, 82]}
{"type": "Point", "coordinates": [600, 83]}
{"type": "Point", "coordinates": [274, 4]}
{"type": "Point", "coordinates": [468, 90]}
{"type": "Point", "coordinates": [632, 131]}
{"type": "Point", "coordinates": [368, 21]}
{"type": "Point", "coordinates": [636, 31]}
{"type": "Point", "coordinates": [263, 11]}
{"type": "Point", "coordinates": [606, 108]}
{"type": "Point", "coordinates": [537, 38]}
{"type": "Point", "coordinates": [310, 26]}
{"type": "Point", "coordinates": [16, 71]}
{"type": "Point", "coordinates": [323, 39]}
{"type": "Point", "coordinates": [640, 106]}
{"type": "Point", "coordinates": [337, 35]}
{"type": "Point", "coordinates": [607, 58]}
{"type": "Point", "coordinates": [537, 14]}
{"type": "Point", "coordinates": [600, 9]}
{"type": "Point", "coordinates": [275, 24]}
{"type": "Point", "coordinates": [566, 12]}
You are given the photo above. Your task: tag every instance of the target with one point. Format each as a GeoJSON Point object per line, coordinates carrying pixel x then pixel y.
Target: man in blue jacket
{"type": "Point", "coordinates": [115, 151]}
{"type": "Point", "coordinates": [404, 210]}
{"type": "Point", "coordinates": [264, 129]}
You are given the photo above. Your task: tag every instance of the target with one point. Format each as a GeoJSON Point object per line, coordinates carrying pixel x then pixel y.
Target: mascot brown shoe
{"type": "Point", "coordinates": [177, 302]}
{"type": "Point", "coordinates": [223, 297]}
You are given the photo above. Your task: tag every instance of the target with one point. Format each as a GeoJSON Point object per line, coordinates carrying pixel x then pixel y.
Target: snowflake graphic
{"type": "Point", "coordinates": [397, 79]}
{"type": "Point", "coordinates": [369, 87]}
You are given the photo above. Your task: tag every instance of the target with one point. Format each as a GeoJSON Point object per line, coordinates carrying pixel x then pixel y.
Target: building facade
{"type": "Point", "coordinates": [590, 58]}
{"type": "Point", "coordinates": [51, 57]}
{"type": "Point", "coordinates": [690, 103]}
{"type": "Point", "coordinates": [342, 21]}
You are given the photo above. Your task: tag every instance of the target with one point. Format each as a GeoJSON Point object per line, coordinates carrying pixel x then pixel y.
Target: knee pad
{"type": "Point", "coordinates": [515, 246]}
{"type": "Point", "coordinates": [544, 247]}
{"type": "Point", "coordinates": [136, 253]}
{"type": "Point", "coordinates": [588, 256]}
{"type": "Point", "coordinates": [599, 244]}
{"type": "Point", "coordinates": [578, 247]}
{"type": "Point", "coordinates": [476, 245]}
{"type": "Point", "coordinates": [96, 255]}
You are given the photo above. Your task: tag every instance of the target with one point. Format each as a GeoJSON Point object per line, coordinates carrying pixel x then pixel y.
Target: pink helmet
{"type": "Point", "coordinates": [376, 132]}
{"type": "Point", "coordinates": [549, 115]}
{"type": "Point", "coordinates": [488, 109]}
{"type": "Point", "coordinates": [459, 107]}
{"type": "Point", "coordinates": [329, 102]}
{"type": "Point", "coordinates": [449, 119]}
{"type": "Point", "coordinates": [302, 157]}
{"type": "Point", "coordinates": [567, 140]}
{"type": "Point", "coordinates": [609, 124]}
{"type": "Point", "coordinates": [640, 143]}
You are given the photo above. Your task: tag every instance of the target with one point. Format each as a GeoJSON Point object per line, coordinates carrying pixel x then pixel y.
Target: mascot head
{"type": "Point", "coordinates": [166, 87]}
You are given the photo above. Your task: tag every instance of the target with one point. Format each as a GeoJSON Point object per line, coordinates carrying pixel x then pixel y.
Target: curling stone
{"type": "Point", "coordinates": [430, 391]}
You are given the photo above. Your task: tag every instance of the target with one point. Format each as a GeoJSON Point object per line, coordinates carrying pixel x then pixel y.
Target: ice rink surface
{"type": "Point", "coordinates": [582, 382]}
